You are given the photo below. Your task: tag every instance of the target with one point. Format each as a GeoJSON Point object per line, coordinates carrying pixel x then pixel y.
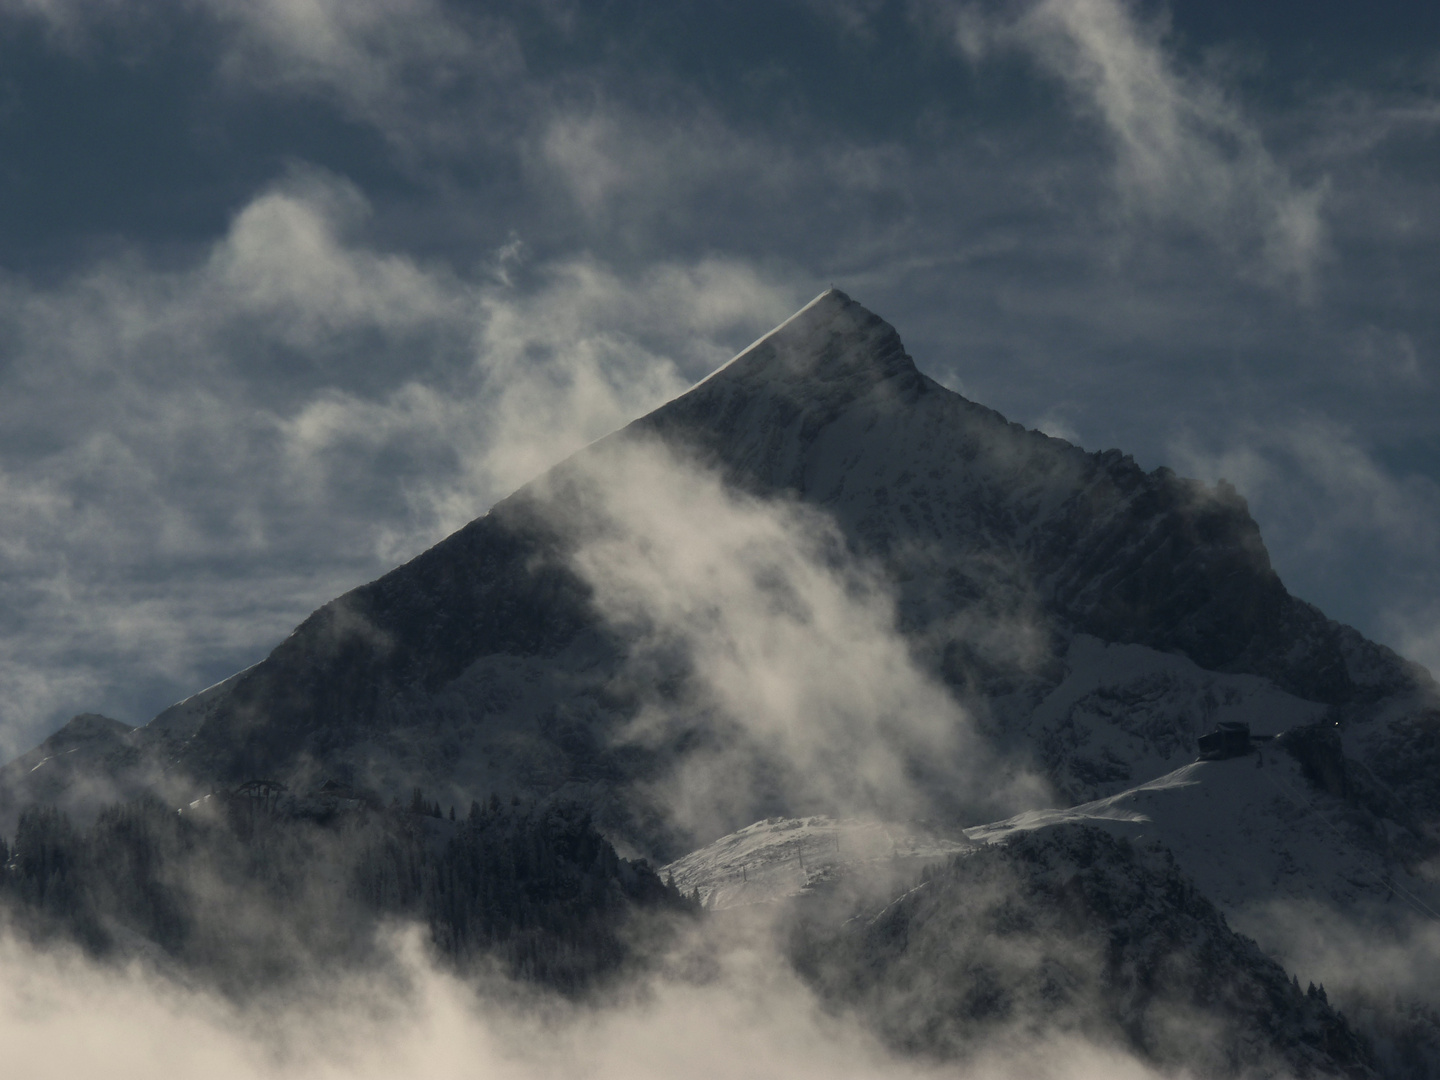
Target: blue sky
{"type": "Point", "coordinates": [289, 289]}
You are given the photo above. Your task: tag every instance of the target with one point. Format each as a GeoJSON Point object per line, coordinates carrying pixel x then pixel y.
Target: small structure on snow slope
{"type": "Point", "coordinates": [1229, 739]}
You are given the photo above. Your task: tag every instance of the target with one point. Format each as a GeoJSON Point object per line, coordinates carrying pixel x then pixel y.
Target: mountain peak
{"type": "Point", "coordinates": [830, 355]}
{"type": "Point", "coordinates": [831, 340]}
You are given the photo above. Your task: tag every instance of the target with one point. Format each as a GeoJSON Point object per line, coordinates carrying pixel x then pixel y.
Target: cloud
{"type": "Point", "coordinates": [411, 69]}
{"type": "Point", "coordinates": [1058, 425]}
{"type": "Point", "coordinates": [640, 179]}
{"type": "Point", "coordinates": [1381, 968]}
{"type": "Point", "coordinates": [1322, 497]}
{"type": "Point", "coordinates": [1388, 356]}
{"type": "Point", "coordinates": [286, 260]}
{"type": "Point", "coordinates": [1345, 953]}
{"type": "Point", "coordinates": [1363, 497]}
{"type": "Point", "coordinates": [1184, 152]}
{"type": "Point", "coordinates": [323, 350]}
{"type": "Point", "coordinates": [195, 457]}
{"type": "Point", "coordinates": [393, 64]}
{"type": "Point", "coordinates": [768, 648]}
{"type": "Point", "coordinates": [1414, 627]}
{"type": "Point", "coordinates": [61, 1016]}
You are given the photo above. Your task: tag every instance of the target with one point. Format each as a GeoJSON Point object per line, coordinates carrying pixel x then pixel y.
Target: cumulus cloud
{"type": "Point", "coordinates": [1184, 151]}
{"type": "Point", "coordinates": [301, 409]}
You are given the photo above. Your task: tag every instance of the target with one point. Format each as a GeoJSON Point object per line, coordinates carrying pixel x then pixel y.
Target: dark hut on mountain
{"type": "Point", "coordinates": [1229, 739]}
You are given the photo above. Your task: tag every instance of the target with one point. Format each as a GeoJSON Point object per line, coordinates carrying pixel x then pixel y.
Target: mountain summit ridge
{"type": "Point", "coordinates": [861, 347]}
{"type": "Point", "coordinates": [1001, 545]}
{"type": "Point", "coordinates": [1128, 555]}
{"type": "Point", "coordinates": [1076, 620]}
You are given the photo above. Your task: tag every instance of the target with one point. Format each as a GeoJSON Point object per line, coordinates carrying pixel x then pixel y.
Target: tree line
{"type": "Point", "coordinates": [253, 894]}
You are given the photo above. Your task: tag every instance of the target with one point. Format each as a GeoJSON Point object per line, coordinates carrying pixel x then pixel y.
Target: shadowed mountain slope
{"type": "Point", "coordinates": [484, 664]}
{"type": "Point", "coordinates": [950, 632]}
{"type": "Point", "coordinates": [1075, 932]}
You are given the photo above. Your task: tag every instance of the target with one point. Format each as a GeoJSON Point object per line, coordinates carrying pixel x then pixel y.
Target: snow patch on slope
{"type": "Point", "coordinates": [772, 860]}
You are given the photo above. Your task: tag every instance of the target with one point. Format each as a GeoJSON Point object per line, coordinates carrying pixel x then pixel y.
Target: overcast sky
{"type": "Point", "coordinates": [290, 289]}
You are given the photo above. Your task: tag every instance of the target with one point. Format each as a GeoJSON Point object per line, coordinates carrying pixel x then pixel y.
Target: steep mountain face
{"type": "Point", "coordinates": [500, 587]}
{"type": "Point", "coordinates": [831, 409]}
{"type": "Point", "coordinates": [1083, 620]}
{"type": "Point", "coordinates": [484, 663]}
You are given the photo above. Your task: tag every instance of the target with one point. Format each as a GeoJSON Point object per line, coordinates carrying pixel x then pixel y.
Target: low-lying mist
{"type": "Point", "coordinates": [727, 1007]}
{"type": "Point", "coordinates": [1382, 967]}
{"type": "Point", "coordinates": [1006, 963]}
{"type": "Point", "coordinates": [268, 935]}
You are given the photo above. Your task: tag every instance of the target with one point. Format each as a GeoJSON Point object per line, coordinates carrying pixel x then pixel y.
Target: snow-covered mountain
{"type": "Point", "coordinates": [1083, 620]}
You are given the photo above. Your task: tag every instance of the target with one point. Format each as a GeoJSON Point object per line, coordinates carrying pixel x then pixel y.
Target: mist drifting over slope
{"type": "Point", "coordinates": [294, 293]}
{"type": "Point", "coordinates": [818, 583]}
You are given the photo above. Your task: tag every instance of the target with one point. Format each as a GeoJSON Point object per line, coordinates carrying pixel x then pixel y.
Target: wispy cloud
{"type": "Point", "coordinates": [1381, 967]}
{"type": "Point", "coordinates": [1097, 275]}
{"type": "Point", "coordinates": [1184, 151]}
{"type": "Point", "coordinates": [393, 64]}
{"type": "Point", "coordinates": [297, 408]}
{"type": "Point", "coordinates": [776, 654]}
{"type": "Point", "coordinates": [1321, 495]}
{"type": "Point", "coordinates": [411, 69]}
